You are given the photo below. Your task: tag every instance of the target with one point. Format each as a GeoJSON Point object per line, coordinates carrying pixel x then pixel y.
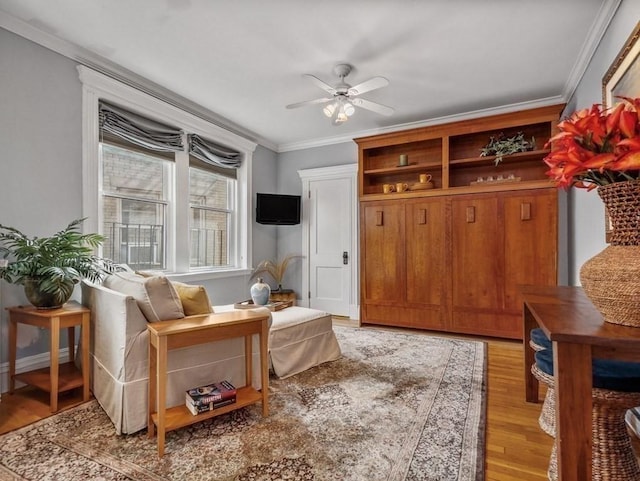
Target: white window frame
{"type": "Point", "coordinates": [96, 87]}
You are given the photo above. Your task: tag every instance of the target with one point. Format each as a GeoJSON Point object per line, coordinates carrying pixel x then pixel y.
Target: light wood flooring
{"type": "Point", "coordinates": [516, 448]}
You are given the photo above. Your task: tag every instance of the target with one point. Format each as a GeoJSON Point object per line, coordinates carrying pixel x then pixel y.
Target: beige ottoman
{"type": "Point", "coordinates": [299, 338]}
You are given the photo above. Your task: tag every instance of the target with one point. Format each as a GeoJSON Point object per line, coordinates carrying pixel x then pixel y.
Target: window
{"type": "Point", "coordinates": [135, 201]}
{"type": "Point", "coordinates": [211, 198]}
{"type": "Point", "coordinates": [185, 210]}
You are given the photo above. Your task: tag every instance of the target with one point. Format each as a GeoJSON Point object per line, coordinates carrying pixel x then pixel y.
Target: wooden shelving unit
{"type": "Point", "coordinates": [450, 153]}
{"type": "Point", "coordinates": [448, 257]}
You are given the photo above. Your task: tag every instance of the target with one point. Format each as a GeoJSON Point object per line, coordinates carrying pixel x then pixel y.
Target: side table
{"type": "Point", "coordinates": [167, 335]}
{"type": "Point", "coordinates": [57, 377]}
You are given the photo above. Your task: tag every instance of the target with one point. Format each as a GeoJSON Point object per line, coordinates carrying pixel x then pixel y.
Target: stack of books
{"type": "Point", "coordinates": [212, 396]}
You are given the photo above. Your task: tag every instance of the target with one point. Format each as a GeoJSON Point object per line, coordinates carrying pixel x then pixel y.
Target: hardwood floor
{"type": "Point", "coordinates": [516, 448]}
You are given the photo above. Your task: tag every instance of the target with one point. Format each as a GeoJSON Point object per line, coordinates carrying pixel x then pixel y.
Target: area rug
{"type": "Point", "coordinates": [396, 406]}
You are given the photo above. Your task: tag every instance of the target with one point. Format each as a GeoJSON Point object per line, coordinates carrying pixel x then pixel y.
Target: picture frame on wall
{"type": "Point", "coordinates": [623, 76]}
{"type": "Point", "coordinates": [622, 80]}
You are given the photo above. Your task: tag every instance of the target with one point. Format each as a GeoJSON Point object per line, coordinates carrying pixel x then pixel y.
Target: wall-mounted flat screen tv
{"type": "Point", "coordinates": [279, 209]}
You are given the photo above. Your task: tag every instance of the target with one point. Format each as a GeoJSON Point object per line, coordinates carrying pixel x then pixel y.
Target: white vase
{"type": "Point", "coordinates": [260, 293]}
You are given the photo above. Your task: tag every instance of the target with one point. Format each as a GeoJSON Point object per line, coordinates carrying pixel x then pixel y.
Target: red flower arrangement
{"type": "Point", "coordinates": [597, 147]}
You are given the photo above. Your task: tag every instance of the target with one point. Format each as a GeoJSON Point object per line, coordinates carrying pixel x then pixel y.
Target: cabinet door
{"type": "Point", "coordinates": [383, 250]}
{"type": "Point", "coordinates": [425, 262]}
{"type": "Point", "coordinates": [531, 243]}
{"type": "Point", "coordinates": [477, 264]}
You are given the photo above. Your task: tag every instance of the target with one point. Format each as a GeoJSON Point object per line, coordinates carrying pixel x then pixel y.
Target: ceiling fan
{"type": "Point", "coordinates": [344, 98]}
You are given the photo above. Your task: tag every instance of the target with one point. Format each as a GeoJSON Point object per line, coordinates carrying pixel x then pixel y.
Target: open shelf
{"type": "Point", "coordinates": [490, 159]}
{"type": "Point", "coordinates": [69, 377]}
{"type": "Point", "coordinates": [450, 153]}
{"type": "Point", "coordinates": [404, 169]}
{"type": "Point", "coordinates": [179, 416]}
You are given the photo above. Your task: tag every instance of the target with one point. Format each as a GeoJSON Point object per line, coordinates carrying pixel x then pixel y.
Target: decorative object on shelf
{"type": "Point", "coordinates": [424, 178]}
{"type": "Point", "coordinates": [401, 186]}
{"type": "Point", "coordinates": [424, 182]}
{"type": "Point", "coordinates": [260, 293]}
{"type": "Point", "coordinates": [424, 186]}
{"type": "Point", "coordinates": [50, 267]}
{"type": "Point", "coordinates": [600, 149]}
{"type": "Point", "coordinates": [388, 188]}
{"type": "Point", "coordinates": [499, 179]}
{"type": "Point", "coordinates": [501, 145]}
{"type": "Point", "coordinates": [403, 161]}
{"type": "Point", "coordinates": [275, 269]}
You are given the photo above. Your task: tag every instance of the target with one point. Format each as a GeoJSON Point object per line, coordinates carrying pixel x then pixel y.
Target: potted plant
{"type": "Point", "coordinates": [502, 145]}
{"type": "Point", "coordinates": [49, 267]}
{"type": "Point", "coordinates": [274, 269]}
{"type": "Point", "coordinates": [599, 148]}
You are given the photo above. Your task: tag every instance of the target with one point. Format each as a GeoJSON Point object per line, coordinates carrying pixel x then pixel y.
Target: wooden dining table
{"type": "Point", "coordinates": [579, 334]}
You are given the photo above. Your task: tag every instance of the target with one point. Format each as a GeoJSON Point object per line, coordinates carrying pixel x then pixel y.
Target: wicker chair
{"type": "Point", "coordinates": [547, 420]}
{"type": "Point", "coordinates": [613, 458]}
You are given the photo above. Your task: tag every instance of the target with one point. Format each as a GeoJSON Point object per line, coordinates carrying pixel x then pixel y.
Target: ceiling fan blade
{"type": "Point", "coordinates": [373, 106]}
{"type": "Point", "coordinates": [309, 102]}
{"type": "Point", "coordinates": [323, 85]}
{"type": "Point", "coordinates": [368, 85]}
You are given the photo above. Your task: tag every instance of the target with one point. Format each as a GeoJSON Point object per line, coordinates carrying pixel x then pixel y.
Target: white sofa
{"type": "Point", "coordinates": [299, 339]}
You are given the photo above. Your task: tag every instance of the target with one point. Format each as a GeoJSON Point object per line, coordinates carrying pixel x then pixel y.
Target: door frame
{"type": "Point", "coordinates": [350, 172]}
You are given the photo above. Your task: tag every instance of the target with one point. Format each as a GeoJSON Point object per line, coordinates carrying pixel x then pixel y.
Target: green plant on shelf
{"type": "Point", "coordinates": [501, 145]}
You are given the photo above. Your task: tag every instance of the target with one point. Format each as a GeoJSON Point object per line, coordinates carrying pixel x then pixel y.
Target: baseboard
{"type": "Point", "coordinates": [25, 364]}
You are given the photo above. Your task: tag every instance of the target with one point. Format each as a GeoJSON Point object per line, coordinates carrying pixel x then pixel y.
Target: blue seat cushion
{"type": "Point", "coordinates": [621, 376]}
{"type": "Point", "coordinates": [540, 338]}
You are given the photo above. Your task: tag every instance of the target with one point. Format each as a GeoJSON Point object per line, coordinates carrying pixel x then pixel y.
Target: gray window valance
{"type": "Point", "coordinates": [139, 130]}
{"type": "Point", "coordinates": [214, 154]}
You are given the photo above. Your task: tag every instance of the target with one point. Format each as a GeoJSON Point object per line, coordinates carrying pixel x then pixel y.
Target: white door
{"type": "Point", "coordinates": [330, 235]}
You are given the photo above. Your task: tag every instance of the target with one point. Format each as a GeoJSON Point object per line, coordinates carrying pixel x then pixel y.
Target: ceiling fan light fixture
{"type": "Point", "coordinates": [329, 109]}
{"type": "Point", "coordinates": [349, 109]}
{"type": "Point", "coordinates": [341, 117]}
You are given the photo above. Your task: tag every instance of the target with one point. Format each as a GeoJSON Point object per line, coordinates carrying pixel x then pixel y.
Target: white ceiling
{"type": "Point", "coordinates": [244, 60]}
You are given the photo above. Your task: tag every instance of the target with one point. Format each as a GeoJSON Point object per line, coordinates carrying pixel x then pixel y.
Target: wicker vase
{"type": "Point", "coordinates": [611, 279]}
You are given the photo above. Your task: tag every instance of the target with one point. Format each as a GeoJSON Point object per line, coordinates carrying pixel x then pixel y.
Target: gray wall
{"type": "Point", "coordinates": [586, 211]}
{"type": "Point", "coordinates": [41, 167]}
{"type": "Point", "coordinates": [289, 163]}
{"type": "Point", "coordinates": [41, 138]}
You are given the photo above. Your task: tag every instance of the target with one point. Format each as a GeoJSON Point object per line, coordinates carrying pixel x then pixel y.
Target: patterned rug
{"type": "Point", "coordinates": [396, 406]}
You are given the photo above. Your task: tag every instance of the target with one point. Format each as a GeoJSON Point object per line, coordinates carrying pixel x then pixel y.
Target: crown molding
{"type": "Point", "coordinates": [503, 109]}
{"type": "Point", "coordinates": [596, 32]}
{"type": "Point", "coordinates": [127, 77]}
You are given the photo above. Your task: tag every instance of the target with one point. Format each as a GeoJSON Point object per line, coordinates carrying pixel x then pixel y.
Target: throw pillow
{"type": "Point", "coordinates": [195, 299]}
{"type": "Point", "coordinates": [156, 296]}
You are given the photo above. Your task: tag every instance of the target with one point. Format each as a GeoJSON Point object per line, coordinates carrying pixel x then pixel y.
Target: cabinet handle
{"type": "Point", "coordinates": [422, 216]}
{"type": "Point", "coordinates": [379, 217]}
{"type": "Point", "coordinates": [471, 214]}
{"type": "Point", "coordinates": [525, 211]}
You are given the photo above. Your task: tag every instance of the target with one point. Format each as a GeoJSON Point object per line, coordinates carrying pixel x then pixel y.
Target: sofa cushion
{"type": "Point", "coordinates": [195, 299]}
{"type": "Point", "coordinates": [156, 296]}
{"type": "Point", "coordinates": [608, 374]}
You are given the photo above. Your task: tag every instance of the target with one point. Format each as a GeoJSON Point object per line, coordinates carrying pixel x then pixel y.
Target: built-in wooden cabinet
{"type": "Point", "coordinates": [403, 254]}
{"type": "Point", "coordinates": [452, 257]}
